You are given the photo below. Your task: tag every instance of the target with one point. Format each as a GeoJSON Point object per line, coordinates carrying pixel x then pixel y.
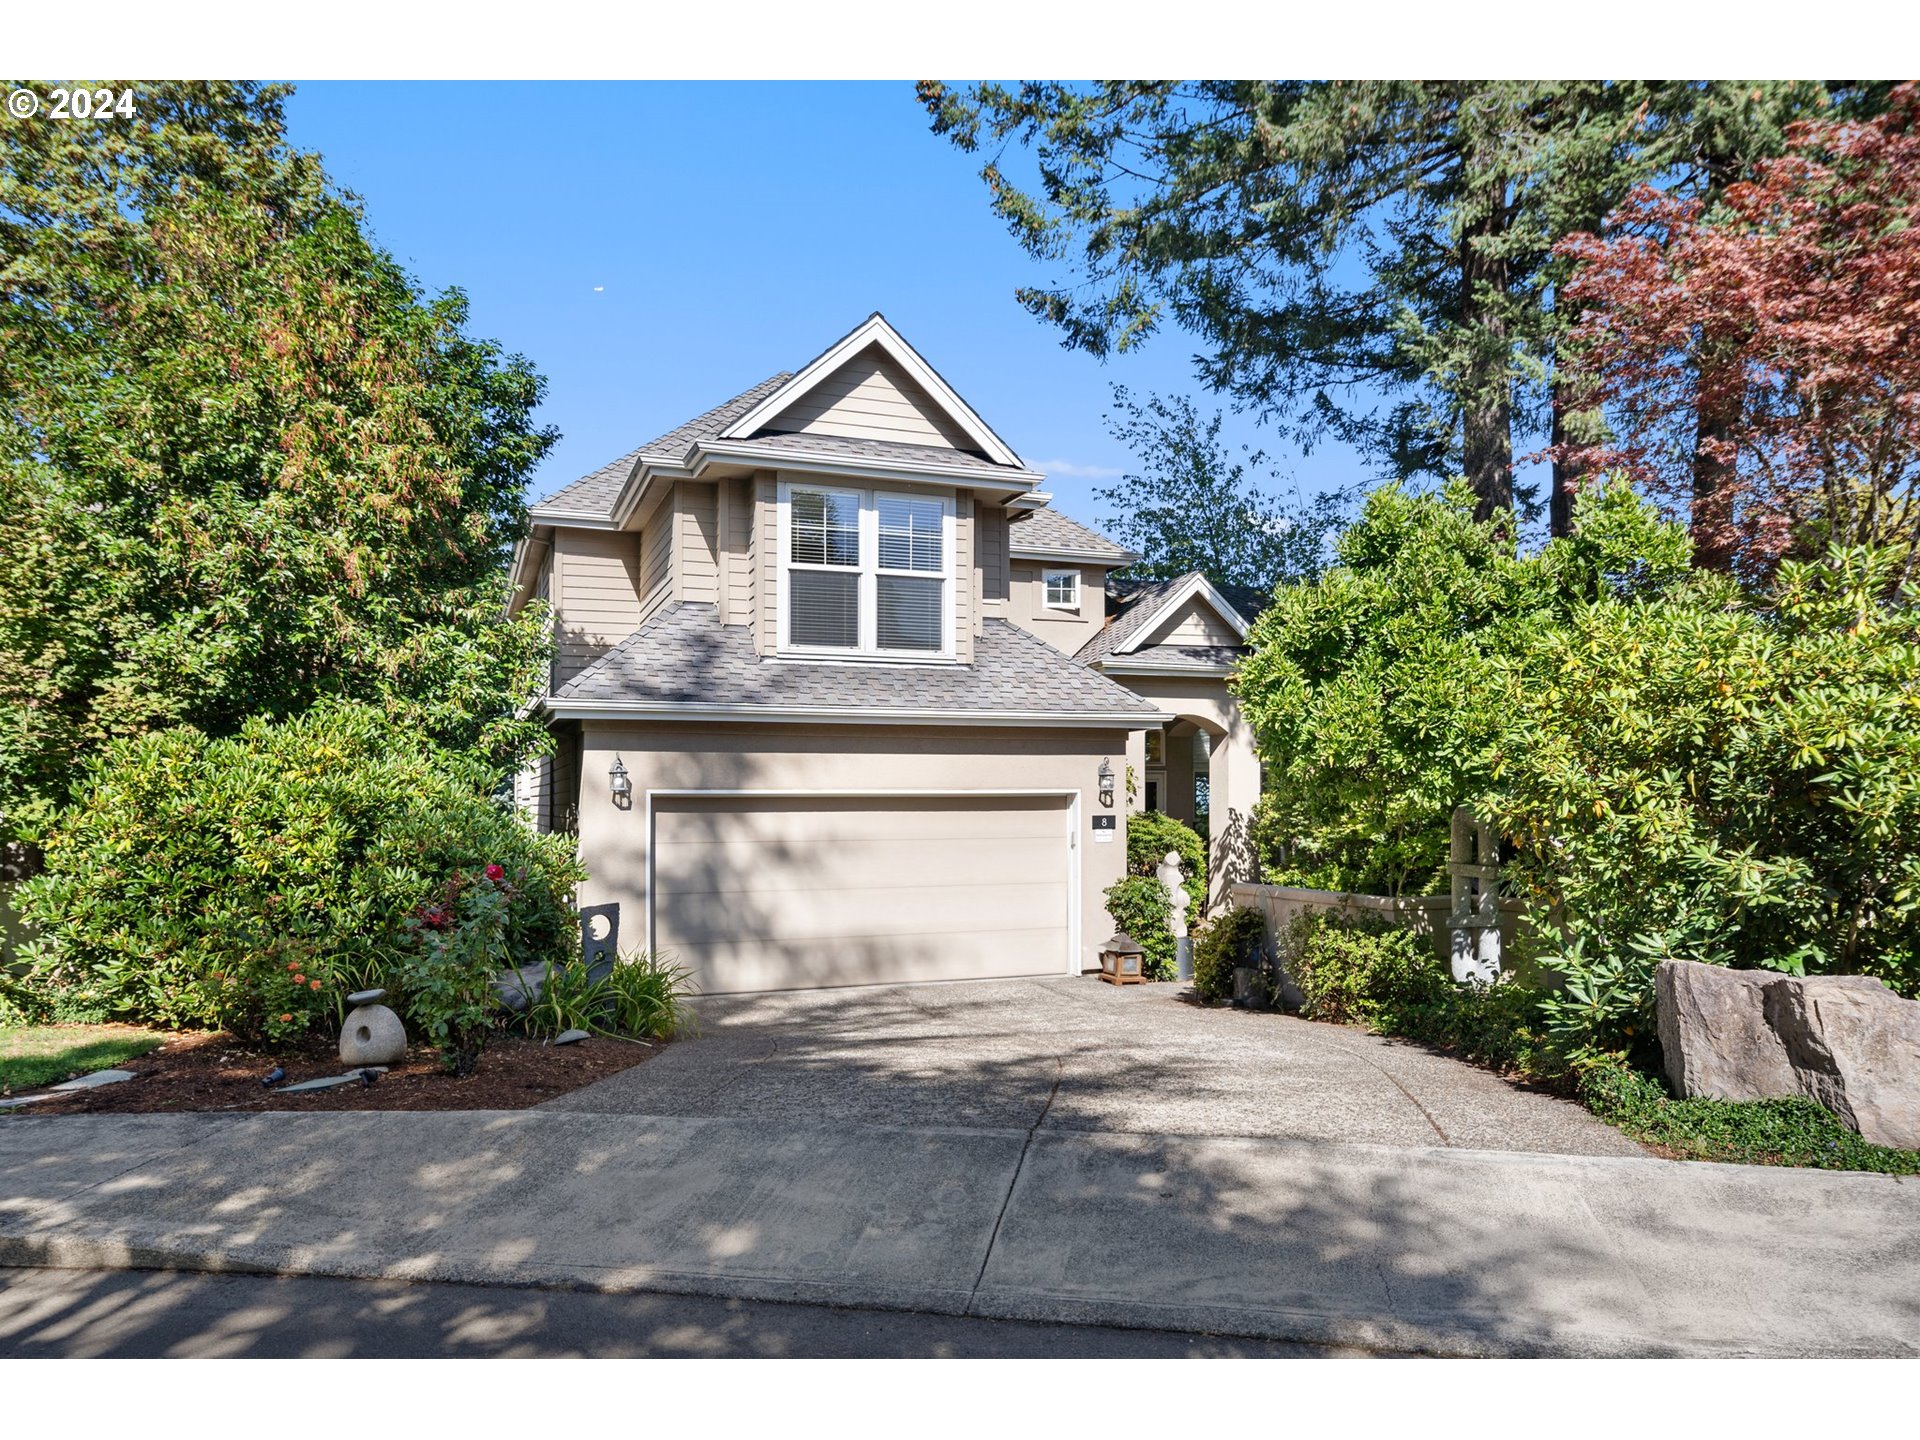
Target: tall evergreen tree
{"type": "Point", "coordinates": [1368, 260]}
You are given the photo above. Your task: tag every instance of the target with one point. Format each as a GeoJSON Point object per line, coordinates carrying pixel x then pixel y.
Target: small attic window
{"type": "Point", "coordinates": [1063, 589]}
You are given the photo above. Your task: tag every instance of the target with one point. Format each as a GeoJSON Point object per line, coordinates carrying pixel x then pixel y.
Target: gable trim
{"type": "Point", "coordinates": [876, 331]}
{"type": "Point", "coordinates": [1194, 586]}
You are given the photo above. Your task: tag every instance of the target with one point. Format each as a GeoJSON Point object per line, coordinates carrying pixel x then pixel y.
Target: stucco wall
{"type": "Point", "coordinates": [1233, 770]}
{"type": "Point", "coordinates": [845, 759]}
{"type": "Point", "coordinates": [1065, 630]}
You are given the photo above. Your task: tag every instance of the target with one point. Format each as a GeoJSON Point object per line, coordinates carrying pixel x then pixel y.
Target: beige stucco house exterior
{"type": "Point", "coordinates": [861, 682]}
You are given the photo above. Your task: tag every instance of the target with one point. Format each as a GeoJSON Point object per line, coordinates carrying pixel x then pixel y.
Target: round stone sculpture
{"type": "Point", "coordinates": [373, 1035]}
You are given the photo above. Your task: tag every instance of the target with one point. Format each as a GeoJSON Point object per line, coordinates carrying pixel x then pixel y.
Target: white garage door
{"type": "Point", "coordinates": [772, 892]}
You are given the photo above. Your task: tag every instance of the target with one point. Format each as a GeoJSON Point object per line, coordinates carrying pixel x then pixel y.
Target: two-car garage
{"type": "Point", "coordinates": [776, 890]}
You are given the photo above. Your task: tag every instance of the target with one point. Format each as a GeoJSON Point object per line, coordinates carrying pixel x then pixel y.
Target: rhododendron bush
{"type": "Point", "coordinates": [253, 882]}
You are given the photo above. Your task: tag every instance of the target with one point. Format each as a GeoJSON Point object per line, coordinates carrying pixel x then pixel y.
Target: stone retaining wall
{"type": "Point", "coordinates": [1423, 914]}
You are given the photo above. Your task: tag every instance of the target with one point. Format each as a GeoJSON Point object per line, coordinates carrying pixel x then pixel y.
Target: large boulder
{"type": "Point", "coordinates": [1845, 1041]}
{"type": "Point", "coordinates": [1856, 1049]}
{"type": "Point", "coordinates": [1714, 1033]}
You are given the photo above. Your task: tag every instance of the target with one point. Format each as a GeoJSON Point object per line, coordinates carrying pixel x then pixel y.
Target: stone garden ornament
{"type": "Point", "coordinates": [1168, 874]}
{"type": "Point", "coordinates": [373, 1034]}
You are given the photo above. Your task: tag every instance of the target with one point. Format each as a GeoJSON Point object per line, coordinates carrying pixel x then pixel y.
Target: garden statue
{"type": "Point", "coordinates": [373, 1034]}
{"type": "Point", "coordinates": [1474, 865]}
{"type": "Point", "coordinates": [1168, 874]}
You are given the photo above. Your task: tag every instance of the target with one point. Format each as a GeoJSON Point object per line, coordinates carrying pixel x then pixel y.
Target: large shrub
{"type": "Point", "coordinates": [1150, 836]}
{"type": "Point", "coordinates": [1375, 693]}
{"type": "Point", "coordinates": [1724, 779]}
{"type": "Point", "coordinates": [251, 882]}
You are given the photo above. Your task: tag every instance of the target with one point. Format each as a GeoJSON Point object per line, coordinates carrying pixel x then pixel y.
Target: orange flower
{"type": "Point", "coordinates": [299, 979]}
{"type": "Point", "coordinates": [293, 965]}
{"type": "Point", "coordinates": [285, 1018]}
{"type": "Point", "coordinates": [314, 983]}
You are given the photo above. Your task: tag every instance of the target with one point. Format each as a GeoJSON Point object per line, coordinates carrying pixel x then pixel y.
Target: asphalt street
{"type": "Point", "coordinates": [161, 1314]}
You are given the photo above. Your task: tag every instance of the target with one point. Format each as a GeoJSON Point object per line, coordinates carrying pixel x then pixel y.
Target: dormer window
{"type": "Point", "coordinates": [1063, 589]}
{"type": "Point", "coordinates": [866, 572]}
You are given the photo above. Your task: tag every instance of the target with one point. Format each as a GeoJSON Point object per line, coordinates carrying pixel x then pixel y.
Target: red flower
{"type": "Point", "coordinates": [314, 983]}
{"type": "Point", "coordinates": [494, 872]}
{"type": "Point", "coordinates": [299, 979]}
{"type": "Point", "coordinates": [293, 965]}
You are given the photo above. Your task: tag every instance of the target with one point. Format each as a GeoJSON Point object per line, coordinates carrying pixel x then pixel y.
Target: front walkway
{"type": "Point", "coordinates": [1080, 1055]}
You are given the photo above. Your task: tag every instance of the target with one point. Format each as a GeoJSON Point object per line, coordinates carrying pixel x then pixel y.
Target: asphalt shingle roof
{"type": "Point", "coordinates": [596, 493]}
{"type": "Point", "coordinates": [1140, 601]}
{"type": "Point", "coordinates": [684, 655]}
{"type": "Point", "coordinates": [1050, 530]}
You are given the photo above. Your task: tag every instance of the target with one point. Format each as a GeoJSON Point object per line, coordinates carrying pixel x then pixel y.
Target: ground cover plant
{"type": "Point", "coordinates": [1391, 982]}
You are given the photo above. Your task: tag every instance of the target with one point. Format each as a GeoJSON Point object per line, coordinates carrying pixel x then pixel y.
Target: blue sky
{"type": "Point", "coordinates": [737, 229]}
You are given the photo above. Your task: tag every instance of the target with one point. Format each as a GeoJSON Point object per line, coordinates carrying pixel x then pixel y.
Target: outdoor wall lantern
{"type": "Point", "coordinates": [1106, 784]}
{"type": "Point", "coordinates": [622, 786]}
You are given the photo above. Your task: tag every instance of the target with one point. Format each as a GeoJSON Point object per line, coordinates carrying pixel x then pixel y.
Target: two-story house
{"type": "Point", "coordinates": [839, 699]}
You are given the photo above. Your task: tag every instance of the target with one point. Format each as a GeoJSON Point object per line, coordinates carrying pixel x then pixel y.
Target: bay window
{"type": "Point", "coordinates": [865, 571]}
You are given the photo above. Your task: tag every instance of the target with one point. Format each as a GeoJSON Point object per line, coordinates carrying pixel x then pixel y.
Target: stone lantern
{"type": "Point", "coordinates": [1120, 960]}
{"type": "Point", "coordinates": [1474, 866]}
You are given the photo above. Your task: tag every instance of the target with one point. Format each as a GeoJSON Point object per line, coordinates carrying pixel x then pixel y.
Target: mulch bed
{"type": "Point", "coordinates": [219, 1073]}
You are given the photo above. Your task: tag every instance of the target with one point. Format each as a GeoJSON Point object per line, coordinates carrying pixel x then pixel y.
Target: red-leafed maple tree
{"type": "Point", "coordinates": [1759, 362]}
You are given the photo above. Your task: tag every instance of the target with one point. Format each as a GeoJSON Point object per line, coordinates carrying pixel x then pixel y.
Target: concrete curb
{"type": "Point", "coordinates": [1440, 1252]}
{"type": "Point", "coordinates": [1443, 1337]}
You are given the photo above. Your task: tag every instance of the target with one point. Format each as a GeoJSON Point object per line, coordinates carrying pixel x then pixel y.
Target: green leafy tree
{"type": "Point", "coordinates": [1370, 260]}
{"type": "Point", "coordinates": [1193, 505]}
{"type": "Point", "coordinates": [1375, 693]}
{"type": "Point", "coordinates": [244, 464]}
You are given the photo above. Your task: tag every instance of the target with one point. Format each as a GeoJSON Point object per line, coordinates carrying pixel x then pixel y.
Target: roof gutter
{"type": "Point", "coordinates": [1062, 552]}
{"type": "Point", "coordinates": [852, 715]}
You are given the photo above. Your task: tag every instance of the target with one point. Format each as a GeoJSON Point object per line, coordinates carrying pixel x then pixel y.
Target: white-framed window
{"type": "Point", "coordinates": [865, 572]}
{"type": "Point", "coordinates": [1062, 589]}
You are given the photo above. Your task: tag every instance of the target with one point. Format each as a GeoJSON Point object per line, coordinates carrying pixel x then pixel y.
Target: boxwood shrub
{"type": "Point", "coordinates": [1228, 942]}
{"type": "Point", "coordinates": [1150, 835]}
{"type": "Point", "coordinates": [1139, 906]}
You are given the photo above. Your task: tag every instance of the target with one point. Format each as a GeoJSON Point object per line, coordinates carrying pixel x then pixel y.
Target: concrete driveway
{"type": "Point", "coordinates": [1079, 1055]}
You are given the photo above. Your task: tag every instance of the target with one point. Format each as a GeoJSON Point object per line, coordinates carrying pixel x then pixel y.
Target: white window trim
{"type": "Point", "coordinates": [869, 572]}
{"type": "Point", "coordinates": [1047, 577]}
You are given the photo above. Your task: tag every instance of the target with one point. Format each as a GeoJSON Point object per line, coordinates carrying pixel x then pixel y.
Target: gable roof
{"type": "Point", "coordinates": [1049, 535]}
{"type": "Point", "coordinates": [1147, 608]}
{"type": "Point", "coordinates": [736, 431]}
{"type": "Point", "coordinates": [684, 662]}
{"type": "Point", "coordinates": [875, 332]}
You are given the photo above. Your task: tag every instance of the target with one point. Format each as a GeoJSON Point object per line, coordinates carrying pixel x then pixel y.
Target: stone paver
{"type": "Point", "coordinates": [1076, 1054]}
